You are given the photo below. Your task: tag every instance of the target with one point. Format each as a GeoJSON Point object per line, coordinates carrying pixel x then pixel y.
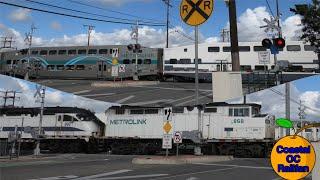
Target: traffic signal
{"type": "Point", "coordinates": [137, 46]}
{"type": "Point", "coordinates": [279, 43]}
{"type": "Point", "coordinates": [130, 47]}
{"type": "Point", "coordinates": [267, 43]}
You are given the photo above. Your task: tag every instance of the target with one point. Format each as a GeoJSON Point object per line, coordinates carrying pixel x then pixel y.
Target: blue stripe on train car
{"type": "Point", "coordinates": [44, 128]}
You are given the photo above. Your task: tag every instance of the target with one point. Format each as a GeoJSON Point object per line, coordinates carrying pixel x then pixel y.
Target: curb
{"type": "Point", "coordinates": [181, 160]}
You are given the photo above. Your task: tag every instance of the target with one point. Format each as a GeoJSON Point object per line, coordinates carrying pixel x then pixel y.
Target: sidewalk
{"type": "Point", "coordinates": [123, 83]}
{"type": "Point", "coordinates": [184, 159]}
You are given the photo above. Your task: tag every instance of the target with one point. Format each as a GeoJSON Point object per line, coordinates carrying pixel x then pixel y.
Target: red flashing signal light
{"type": "Point", "coordinates": [280, 43]}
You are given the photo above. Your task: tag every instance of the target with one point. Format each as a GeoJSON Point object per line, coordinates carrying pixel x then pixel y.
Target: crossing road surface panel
{"type": "Point", "coordinates": [109, 167]}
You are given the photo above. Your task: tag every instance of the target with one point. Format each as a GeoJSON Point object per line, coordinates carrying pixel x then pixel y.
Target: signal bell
{"type": "Point", "coordinates": [267, 43]}
{"type": "Point", "coordinates": [279, 43]}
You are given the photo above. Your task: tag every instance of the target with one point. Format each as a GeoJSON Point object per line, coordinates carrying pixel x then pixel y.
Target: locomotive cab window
{"type": "Point", "coordinates": [69, 118]}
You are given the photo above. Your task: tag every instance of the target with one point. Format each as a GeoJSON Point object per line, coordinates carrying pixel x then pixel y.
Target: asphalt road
{"type": "Point", "coordinates": [165, 93]}
{"type": "Point", "coordinates": [107, 167]}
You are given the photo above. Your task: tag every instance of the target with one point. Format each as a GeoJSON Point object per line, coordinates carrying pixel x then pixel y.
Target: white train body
{"type": "Point", "coordinates": [312, 134]}
{"type": "Point", "coordinates": [57, 122]}
{"type": "Point", "coordinates": [218, 121]}
{"type": "Point", "coordinates": [181, 59]}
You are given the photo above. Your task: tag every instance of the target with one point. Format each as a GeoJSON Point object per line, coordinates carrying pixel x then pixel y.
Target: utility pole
{"type": "Point", "coordinates": [234, 35]}
{"type": "Point", "coordinates": [9, 95]}
{"type": "Point", "coordinates": [28, 41]}
{"type": "Point", "coordinates": [40, 93]}
{"type": "Point", "coordinates": [90, 29]}
{"type": "Point", "coordinates": [167, 2]}
{"type": "Point", "coordinates": [287, 104]}
{"type": "Point", "coordinates": [302, 114]}
{"type": "Point", "coordinates": [225, 34]}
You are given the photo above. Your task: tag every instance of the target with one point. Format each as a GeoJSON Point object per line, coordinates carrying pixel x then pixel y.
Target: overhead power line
{"type": "Point", "coordinates": [76, 16]}
{"type": "Point", "coordinates": [269, 7]}
{"type": "Point", "coordinates": [118, 12]}
{"type": "Point", "coordinates": [85, 12]}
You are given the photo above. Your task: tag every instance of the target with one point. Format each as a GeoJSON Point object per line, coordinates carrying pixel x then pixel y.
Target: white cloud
{"type": "Point", "coordinates": [56, 26]}
{"type": "Point", "coordinates": [20, 15]}
{"type": "Point", "coordinates": [250, 21]}
{"type": "Point", "coordinates": [312, 100]}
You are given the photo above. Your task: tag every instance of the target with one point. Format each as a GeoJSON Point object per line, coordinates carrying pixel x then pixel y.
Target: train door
{"type": "Point", "coordinates": [102, 68]}
{"type": "Point", "coordinates": [206, 126]}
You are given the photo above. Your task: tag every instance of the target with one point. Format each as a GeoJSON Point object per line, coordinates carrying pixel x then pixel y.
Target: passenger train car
{"type": "Point", "coordinates": [81, 62]}
{"type": "Point", "coordinates": [296, 57]}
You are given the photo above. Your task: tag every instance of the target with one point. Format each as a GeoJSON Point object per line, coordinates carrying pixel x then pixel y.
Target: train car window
{"type": "Point", "coordinates": [308, 130]}
{"type": "Point", "coordinates": [226, 49]}
{"type": "Point", "coordinates": [70, 67]}
{"type": "Point", "coordinates": [168, 68]}
{"type": "Point", "coordinates": [140, 51]}
{"type": "Point", "coordinates": [228, 129]}
{"type": "Point", "coordinates": [259, 48]}
{"type": "Point", "coordinates": [24, 61]}
{"type": "Point", "coordinates": [43, 52]}
{"type": "Point", "coordinates": [110, 51]}
{"type": "Point", "coordinates": [72, 52]}
{"type": "Point", "coordinates": [309, 48]}
{"type": "Point", "coordinates": [185, 61]}
{"type": "Point", "coordinates": [133, 61]}
{"type": "Point", "coordinates": [24, 51]}
{"type": "Point", "coordinates": [120, 111]}
{"type": "Point", "coordinates": [213, 49]}
{"type": "Point", "coordinates": [82, 51]}
{"type": "Point", "coordinates": [235, 112]}
{"type": "Point", "coordinates": [59, 118]}
{"type": "Point", "coordinates": [173, 61]}
{"type": "Point", "coordinates": [244, 48]}
{"type": "Point", "coordinates": [293, 48]}
{"type": "Point", "coordinates": [185, 49]}
{"type": "Point", "coordinates": [177, 109]}
{"type": "Point", "coordinates": [100, 67]}
{"type": "Point", "coordinates": [260, 68]}
{"type": "Point", "coordinates": [199, 61]}
{"type": "Point", "coordinates": [139, 61]}
{"type": "Point", "coordinates": [151, 111]}
{"type": "Point", "coordinates": [210, 110]}
{"type": "Point", "coordinates": [35, 52]}
{"type": "Point", "coordinates": [8, 61]}
{"type": "Point", "coordinates": [50, 67]}
{"type": "Point", "coordinates": [245, 68]}
{"type": "Point", "coordinates": [147, 61]}
{"type": "Point", "coordinates": [255, 111]}
{"type": "Point", "coordinates": [166, 62]}
{"type": "Point", "coordinates": [60, 67]}
{"type": "Point", "coordinates": [80, 67]}
{"type": "Point", "coordinates": [104, 67]}
{"type": "Point", "coordinates": [62, 52]}
{"type": "Point", "coordinates": [103, 51]}
{"type": "Point", "coordinates": [126, 61]}
{"type": "Point", "coordinates": [52, 52]}
{"type": "Point", "coordinates": [136, 111]}
{"type": "Point", "coordinates": [67, 118]}
{"type": "Point", "coordinates": [92, 51]}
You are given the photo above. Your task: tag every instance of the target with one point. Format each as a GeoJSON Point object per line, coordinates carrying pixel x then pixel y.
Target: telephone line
{"type": "Point", "coordinates": [76, 16]}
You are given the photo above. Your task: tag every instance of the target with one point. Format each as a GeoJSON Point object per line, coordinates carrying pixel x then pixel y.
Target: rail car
{"type": "Point", "coordinates": [295, 57]}
{"type": "Point", "coordinates": [81, 62]}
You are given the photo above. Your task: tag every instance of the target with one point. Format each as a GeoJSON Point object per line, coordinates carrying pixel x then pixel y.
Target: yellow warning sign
{"type": "Point", "coordinates": [167, 127]}
{"type": "Point", "coordinates": [293, 157]}
{"type": "Point", "coordinates": [115, 61]}
{"type": "Point", "coordinates": [196, 12]}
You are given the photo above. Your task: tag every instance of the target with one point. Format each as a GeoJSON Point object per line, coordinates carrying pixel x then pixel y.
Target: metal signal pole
{"type": "Point", "coordinates": [28, 39]}
{"type": "Point", "coordinates": [40, 92]}
{"type": "Point", "coordinates": [287, 104]}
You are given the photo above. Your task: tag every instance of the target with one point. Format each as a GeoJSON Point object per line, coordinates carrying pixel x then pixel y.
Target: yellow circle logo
{"type": "Point", "coordinates": [293, 157]}
{"type": "Point", "coordinates": [196, 12]}
{"type": "Point", "coordinates": [114, 61]}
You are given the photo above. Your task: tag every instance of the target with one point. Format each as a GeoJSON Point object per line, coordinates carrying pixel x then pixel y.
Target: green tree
{"type": "Point", "coordinates": [310, 14]}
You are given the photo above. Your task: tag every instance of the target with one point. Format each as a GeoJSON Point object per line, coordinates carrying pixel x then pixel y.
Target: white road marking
{"type": "Point", "coordinates": [57, 178]}
{"type": "Point", "coordinates": [94, 95]}
{"type": "Point", "coordinates": [134, 176]}
{"type": "Point", "coordinates": [150, 102]}
{"type": "Point", "coordinates": [81, 92]}
{"type": "Point", "coordinates": [192, 178]}
{"type": "Point", "coordinates": [175, 89]}
{"type": "Point", "coordinates": [201, 172]}
{"type": "Point", "coordinates": [125, 99]}
{"type": "Point", "coordinates": [233, 165]}
{"type": "Point", "coordinates": [104, 174]}
{"type": "Point", "coordinates": [200, 97]}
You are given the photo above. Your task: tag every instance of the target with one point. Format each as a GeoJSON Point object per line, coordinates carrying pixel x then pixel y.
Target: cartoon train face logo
{"type": "Point", "coordinates": [293, 157]}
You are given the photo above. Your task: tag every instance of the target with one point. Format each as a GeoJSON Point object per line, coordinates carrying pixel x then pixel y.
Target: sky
{"type": "Point", "coordinates": [55, 30]}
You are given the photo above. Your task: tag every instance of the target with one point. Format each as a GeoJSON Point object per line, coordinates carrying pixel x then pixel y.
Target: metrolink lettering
{"type": "Point", "coordinates": [128, 121]}
{"type": "Point", "coordinates": [294, 158]}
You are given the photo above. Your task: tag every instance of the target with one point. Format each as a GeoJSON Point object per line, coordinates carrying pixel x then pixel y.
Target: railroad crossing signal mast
{"type": "Point", "coordinates": [28, 41]}
{"type": "Point", "coordinates": [195, 13]}
{"type": "Point", "coordinates": [40, 93]}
